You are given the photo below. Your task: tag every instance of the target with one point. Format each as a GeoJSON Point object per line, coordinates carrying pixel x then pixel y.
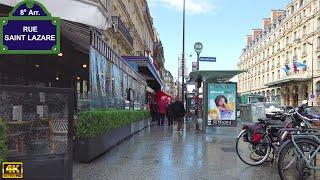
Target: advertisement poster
{"type": "Point", "coordinates": [222, 103]}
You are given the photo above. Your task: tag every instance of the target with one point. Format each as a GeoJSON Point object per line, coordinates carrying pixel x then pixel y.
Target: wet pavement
{"type": "Point", "coordinates": [159, 153]}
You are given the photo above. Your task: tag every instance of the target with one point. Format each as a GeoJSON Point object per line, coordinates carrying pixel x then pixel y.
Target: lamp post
{"type": "Point", "coordinates": [312, 88]}
{"type": "Point", "coordinates": [182, 60]}
{"type": "Point", "coordinates": [198, 48]}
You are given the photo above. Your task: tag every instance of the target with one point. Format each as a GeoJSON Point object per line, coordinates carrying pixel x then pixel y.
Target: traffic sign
{"type": "Point", "coordinates": [312, 96]}
{"type": "Point", "coordinates": [209, 59]}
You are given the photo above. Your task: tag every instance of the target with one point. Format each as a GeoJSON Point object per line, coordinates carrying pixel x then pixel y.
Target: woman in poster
{"type": "Point", "coordinates": [224, 109]}
{"type": "Point", "coordinates": [221, 109]}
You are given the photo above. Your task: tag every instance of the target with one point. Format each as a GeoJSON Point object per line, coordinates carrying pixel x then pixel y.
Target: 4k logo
{"type": "Point", "coordinates": [12, 170]}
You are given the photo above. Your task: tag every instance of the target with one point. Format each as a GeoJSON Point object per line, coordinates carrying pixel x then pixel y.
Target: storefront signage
{"type": "Point", "coordinates": [222, 104]}
{"type": "Point", "coordinates": [29, 29]}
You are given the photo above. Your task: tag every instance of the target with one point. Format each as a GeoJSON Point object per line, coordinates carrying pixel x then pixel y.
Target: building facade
{"type": "Point", "coordinates": [169, 83]}
{"type": "Point", "coordinates": [131, 32]}
{"type": "Point", "coordinates": [133, 36]}
{"type": "Point", "coordinates": [282, 60]}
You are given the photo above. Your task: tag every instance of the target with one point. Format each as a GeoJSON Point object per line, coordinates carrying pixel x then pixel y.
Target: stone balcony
{"type": "Point", "coordinates": [122, 31]}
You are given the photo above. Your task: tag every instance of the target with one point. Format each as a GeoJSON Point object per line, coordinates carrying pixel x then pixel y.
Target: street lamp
{"type": "Point", "coordinates": [198, 48]}
{"type": "Point", "coordinates": [182, 60]}
{"type": "Point", "coordinates": [312, 93]}
{"type": "Point", "coordinates": [312, 59]}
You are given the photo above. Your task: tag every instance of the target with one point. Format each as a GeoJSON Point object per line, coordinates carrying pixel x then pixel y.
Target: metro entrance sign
{"type": "Point", "coordinates": [29, 29]}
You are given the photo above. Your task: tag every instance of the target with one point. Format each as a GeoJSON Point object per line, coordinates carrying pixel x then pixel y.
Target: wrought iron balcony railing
{"type": "Point", "coordinates": [120, 27]}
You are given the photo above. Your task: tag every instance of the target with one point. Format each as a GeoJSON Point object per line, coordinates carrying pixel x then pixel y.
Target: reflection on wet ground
{"type": "Point", "coordinates": [159, 153]}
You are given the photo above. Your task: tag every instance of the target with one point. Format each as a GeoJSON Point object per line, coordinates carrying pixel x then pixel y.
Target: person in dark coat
{"type": "Point", "coordinates": [178, 112]}
{"type": "Point", "coordinates": [170, 114]}
{"type": "Point", "coordinates": [153, 110]}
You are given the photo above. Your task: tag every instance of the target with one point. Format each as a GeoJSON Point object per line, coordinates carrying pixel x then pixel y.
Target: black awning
{"type": "Point", "coordinates": [287, 81]}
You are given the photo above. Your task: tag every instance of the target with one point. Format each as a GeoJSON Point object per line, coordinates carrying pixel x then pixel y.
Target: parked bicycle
{"type": "Point", "coordinates": [256, 142]}
{"type": "Point", "coordinates": [299, 157]}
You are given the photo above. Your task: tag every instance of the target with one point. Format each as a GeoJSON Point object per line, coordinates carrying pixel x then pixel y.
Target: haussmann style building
{"type": "Point", "coordinates": [282, 59]}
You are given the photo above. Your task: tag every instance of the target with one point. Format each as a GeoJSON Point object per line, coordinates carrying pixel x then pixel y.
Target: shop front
{"type": "Point", "coordinates": [291, 92]}
{"type": "Point", "coordinates": [145, 66]}
{"type": "Point", "coordinates": [40, 94]}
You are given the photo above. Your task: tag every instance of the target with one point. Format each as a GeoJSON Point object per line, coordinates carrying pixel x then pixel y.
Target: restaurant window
{"type": "Point", "coordinates": [125, 86]}
{"type": "Point", "coordinates": [116, 101]}
{"type": "Point", "coordinates": [98, 80]}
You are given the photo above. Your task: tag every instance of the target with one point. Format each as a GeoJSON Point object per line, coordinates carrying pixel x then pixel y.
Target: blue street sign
{"type": "Point", "coordinates": [29, 35]}
{"type": "Point", "coordinates": [29, 29]}
{"type": "Point", "coordinates": [209, 59]}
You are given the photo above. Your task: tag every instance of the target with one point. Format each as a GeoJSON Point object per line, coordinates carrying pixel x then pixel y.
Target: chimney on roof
{"type": "Point", "coordinates": [275, 14]}
{"type": "Point", "coordinates": [266, 23]}
{"type": "Point", "coordinates": [256, 33]}
{"type": "Point", "coordinates": [249, 39]}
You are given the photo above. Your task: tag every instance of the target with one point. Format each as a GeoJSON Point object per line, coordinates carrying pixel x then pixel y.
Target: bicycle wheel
{"type": "Point", "coordinates": [292, 166]}
{"type": "Point", "coordinates": [250, 153]}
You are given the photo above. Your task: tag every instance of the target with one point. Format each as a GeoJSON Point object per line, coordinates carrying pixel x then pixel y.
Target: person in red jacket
{"type": "Point", "coordinates": [162, 110]}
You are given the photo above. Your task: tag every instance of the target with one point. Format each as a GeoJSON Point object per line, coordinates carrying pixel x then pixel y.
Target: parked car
{"type": "Point", "coordinates": [273, 110]}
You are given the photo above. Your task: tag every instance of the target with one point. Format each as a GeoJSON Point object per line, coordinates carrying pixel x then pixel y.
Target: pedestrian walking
{"type": "Point", "coordinates": [153, 110]}
{"type": "Point", "coordinates": [170, 113]}
{"type": "Point", "coordinates": [178, 112]}
{"type": "Point", "coordinates": [161, 111]}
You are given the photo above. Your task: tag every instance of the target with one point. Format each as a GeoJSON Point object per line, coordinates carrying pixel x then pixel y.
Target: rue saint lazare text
{"type": "Point", "coordinates": [30, 29]}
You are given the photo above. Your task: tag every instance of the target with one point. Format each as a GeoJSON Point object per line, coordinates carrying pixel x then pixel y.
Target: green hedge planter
{"type": "Point", "coordinates": [99, 130]}
{"type": "Point", "coordinates": [3, 141]}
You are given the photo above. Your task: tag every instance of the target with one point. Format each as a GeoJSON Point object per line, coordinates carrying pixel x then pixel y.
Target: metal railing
{"type": "Point", "coordinates": [119, 25]}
